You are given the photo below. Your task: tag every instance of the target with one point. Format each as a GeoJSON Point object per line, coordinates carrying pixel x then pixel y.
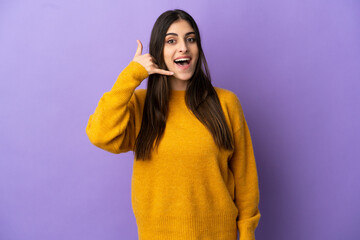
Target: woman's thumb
{"type": "Point", "coordinates": [139, 48]}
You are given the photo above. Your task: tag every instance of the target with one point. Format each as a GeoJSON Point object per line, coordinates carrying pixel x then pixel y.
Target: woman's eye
{"type": "Point", "coordinates": [189, 39]}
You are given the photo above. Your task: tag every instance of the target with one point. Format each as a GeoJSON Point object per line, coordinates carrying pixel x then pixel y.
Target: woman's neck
{"type": "Point", "coordinates": [177, 84]}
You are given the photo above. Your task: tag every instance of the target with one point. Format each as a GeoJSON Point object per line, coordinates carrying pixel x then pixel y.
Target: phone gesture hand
{"type": "Point", "coordinates": [147, 61]}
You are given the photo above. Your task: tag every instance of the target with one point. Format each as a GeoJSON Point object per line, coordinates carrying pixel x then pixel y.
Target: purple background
{"type": "Point", "coordinates": [294, 64]}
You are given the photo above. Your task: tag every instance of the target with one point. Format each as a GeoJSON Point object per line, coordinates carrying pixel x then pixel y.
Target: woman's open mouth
{"type": "Point", "coordinates": [183, 63]}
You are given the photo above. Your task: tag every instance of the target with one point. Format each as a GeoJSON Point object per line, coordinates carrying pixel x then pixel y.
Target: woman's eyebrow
{"type": "Point", "coordinates": [177, 35]}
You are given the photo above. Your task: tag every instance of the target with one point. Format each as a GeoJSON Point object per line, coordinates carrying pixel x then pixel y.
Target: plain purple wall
{"type": "Point", "coordinates": [294, 64]}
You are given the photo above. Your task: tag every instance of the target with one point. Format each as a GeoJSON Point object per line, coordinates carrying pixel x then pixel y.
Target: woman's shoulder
{"type": "Point", "coordinates": [138, 97]}
{"type": "Point", "coordinates": [226, 95]}
{"type": "Point", "coordinates": [141, 92]}
{"type": "Point", "coordinates": [229, 100]}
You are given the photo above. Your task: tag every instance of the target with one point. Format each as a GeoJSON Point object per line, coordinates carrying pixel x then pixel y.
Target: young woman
{"type": "Point", "coordinates": [194, 174]}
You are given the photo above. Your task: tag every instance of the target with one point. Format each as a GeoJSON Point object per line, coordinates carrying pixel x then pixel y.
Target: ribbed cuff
{"type": "Point", "coordinates": [246, 232]}
{"type": "Point", "coordinates": [247, 229]}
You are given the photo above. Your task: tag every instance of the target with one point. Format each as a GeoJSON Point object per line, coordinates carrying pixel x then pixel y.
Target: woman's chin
{"type": "Point", "coordinates": [182, 76]}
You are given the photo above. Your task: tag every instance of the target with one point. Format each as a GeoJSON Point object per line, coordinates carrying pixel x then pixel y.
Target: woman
{"type": "Point", "coordinates": [194, 174]}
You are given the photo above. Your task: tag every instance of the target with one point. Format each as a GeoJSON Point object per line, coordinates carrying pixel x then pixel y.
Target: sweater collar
{"type": "Point", "coordinates": [177, 94]}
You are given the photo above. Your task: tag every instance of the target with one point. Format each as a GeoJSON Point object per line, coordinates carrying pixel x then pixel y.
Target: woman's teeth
{"type": "Point", "coordinates": [182, 61]}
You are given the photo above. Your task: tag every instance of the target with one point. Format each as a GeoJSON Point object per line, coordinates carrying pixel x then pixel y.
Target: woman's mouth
{"type": "Point", "coordinates": [182, 64]}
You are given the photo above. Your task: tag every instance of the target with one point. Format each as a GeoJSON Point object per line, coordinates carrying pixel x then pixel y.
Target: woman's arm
{"type": "Point", "coordinates": [243, 166]}
{"type": "Point", "coordinates": [112, 126]}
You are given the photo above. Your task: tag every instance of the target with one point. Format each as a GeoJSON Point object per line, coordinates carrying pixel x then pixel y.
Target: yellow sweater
{"type": "Point", "coordinates": [189, 189]}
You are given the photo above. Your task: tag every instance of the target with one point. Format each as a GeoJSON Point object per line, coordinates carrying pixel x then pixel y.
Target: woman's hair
{"type": "Point", "coordinates": [200, 96]}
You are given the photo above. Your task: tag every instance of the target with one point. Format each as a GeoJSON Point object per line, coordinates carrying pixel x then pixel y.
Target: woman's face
{"type": "Point", "coordinates": [180, 42]}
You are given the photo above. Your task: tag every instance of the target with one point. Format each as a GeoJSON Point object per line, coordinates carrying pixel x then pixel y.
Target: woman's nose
{"type": "Point", "coordinates": [182, 46]}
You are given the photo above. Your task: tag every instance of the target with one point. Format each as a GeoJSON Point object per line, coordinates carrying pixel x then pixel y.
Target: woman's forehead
{"type": "Point", "coordinates": [180, 27]}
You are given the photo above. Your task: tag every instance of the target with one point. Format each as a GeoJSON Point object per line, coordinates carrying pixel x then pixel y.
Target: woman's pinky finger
{"type": "Point", "coordinates": [164, 72]}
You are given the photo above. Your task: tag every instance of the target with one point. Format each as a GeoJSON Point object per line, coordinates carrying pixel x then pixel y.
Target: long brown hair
{"type": "Point", "coordinates": [200, 96]}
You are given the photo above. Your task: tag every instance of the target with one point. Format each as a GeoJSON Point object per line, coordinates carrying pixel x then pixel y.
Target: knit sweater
{"type": "Point", "coordinates": [189, 189]}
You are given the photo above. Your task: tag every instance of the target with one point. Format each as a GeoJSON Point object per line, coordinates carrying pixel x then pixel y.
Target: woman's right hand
{"type": "Point", "coordinates": [148, 62]}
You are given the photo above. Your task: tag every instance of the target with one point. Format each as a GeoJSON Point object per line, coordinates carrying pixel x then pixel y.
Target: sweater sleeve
{"type": "Point", "coordinates": [243, 166]}
{"type": "Point", "coordinates": [112, 126]}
